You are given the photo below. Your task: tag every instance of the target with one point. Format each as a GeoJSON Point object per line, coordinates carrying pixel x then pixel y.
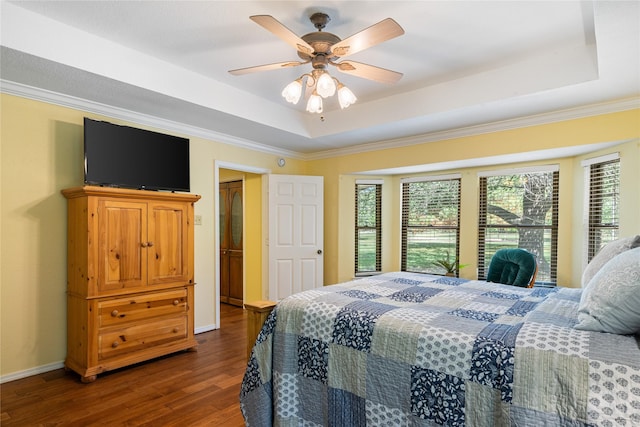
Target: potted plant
{"type": "Point", "coordinates": [450, 266]}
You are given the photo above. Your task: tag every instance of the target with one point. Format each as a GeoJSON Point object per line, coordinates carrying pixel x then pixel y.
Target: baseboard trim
{"type": "Point", "coordinates": [31, 371]}
{"type": "Point", "coordinates": [57, 365]}
{"type": "Point", "coordinates": [206, 328]}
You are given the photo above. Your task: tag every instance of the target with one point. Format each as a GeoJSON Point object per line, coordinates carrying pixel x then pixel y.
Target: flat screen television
{"type": "Point", "coordinates": [123, 156]}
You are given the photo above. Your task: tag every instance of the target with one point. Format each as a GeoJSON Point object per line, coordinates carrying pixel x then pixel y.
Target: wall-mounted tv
{"type": "Point", "coordinates": [122, 156]}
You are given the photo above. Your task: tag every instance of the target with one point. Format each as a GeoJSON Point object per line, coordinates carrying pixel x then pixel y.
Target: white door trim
{"type": "Point", "coordinates": [217, 165]}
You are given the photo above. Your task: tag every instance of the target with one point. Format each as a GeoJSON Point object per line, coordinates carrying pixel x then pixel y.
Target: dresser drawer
{"type": "Point", "coordinates": [134, 308]}
{"type": "Point", "coordinates": [140, 335]}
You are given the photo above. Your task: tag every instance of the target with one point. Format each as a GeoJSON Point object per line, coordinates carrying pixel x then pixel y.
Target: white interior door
{"type": "Point", "coordinates": [296, 218]}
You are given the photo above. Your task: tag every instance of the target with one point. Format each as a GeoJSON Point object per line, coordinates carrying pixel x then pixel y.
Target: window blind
{"type": "Point", "coordinates": [519, 210]}
{"type": "Point", "coordinates": [430, 224]}
{"type": "Point", "coordinates": [604, 202]}
{"type": "Point", "coordinates": [368, 229]}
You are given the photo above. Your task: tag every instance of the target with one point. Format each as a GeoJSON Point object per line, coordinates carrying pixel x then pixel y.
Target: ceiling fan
{"type": "Point", "coordinates": [321, 49]}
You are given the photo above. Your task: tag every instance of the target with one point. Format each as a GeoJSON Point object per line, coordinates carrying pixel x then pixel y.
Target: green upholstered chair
{"type": "Point", "coordinates": [516, 267]}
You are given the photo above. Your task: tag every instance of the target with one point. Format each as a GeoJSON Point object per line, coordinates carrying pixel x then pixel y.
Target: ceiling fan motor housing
{"type": "Point", "coordinates": [319, 20]}
{"type": "Point", "coordinates": [320, 41]}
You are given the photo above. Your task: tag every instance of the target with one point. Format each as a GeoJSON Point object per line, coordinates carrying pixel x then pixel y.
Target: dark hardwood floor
{"type": "Point", "coordinates": [184, 389]}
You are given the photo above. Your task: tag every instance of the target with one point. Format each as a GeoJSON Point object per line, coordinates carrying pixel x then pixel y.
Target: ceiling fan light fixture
{"type": "Point", "coordinates": [345, 96]}
{"type": "Point", "coordinates": [293, 91]}
{"type": "Point", "coordinates": [314, 105]}
{"type": "Point", "coordinates": [326, 87]}
{"type": "Point", "coordinates": [321, 49]}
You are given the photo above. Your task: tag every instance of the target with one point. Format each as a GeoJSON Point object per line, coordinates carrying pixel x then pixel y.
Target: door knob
{"type": "Point", "coordinates": [319, 251]}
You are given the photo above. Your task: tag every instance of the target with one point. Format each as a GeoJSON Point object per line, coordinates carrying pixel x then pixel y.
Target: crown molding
{"type": "Point", "coordinates": [503, 125]}
{"type": "Point", "coordinates": [56, 98]}
{"type": "Point", "coordinates": [50, 97]}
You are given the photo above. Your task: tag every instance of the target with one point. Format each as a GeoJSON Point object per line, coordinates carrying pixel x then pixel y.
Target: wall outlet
{"type": "Point", "coordinates": [197, 219]}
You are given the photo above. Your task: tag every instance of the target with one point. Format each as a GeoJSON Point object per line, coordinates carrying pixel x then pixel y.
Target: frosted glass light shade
{"type": "Point", "coordinates": [345, 96]}
{"type": "Point", "coordinates": [314, 105]}
{"type": "Point", "coordinates": [326, 86]}
{"type": "Point", "coordinates": [293, 91]}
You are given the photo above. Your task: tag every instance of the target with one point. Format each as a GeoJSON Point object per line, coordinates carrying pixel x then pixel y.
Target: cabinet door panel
{"type": "Point", "coordinates": [235, 278]}
{"type": "Point", "coordinates": [224, 275]}
{"type": "Point", "coordinates": [168, 233]}
{"type": "Point", "coordinates": [122, 237]}
{"type": "Point", "coordinates": [235, 217]}
{"type": "Point", "coordinates": [223, 216]}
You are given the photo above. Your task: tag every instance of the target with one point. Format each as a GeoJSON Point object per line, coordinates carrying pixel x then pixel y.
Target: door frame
{"type": "Point", "coordinates": [218, 164]}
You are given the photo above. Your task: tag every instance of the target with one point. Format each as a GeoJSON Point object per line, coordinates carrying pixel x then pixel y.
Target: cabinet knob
{"type": "Point", "coordinates": [143, 244]}
{"type": "Point", "coordinates": [114, 313]}
{"type": "Point", "coordinates": [115, 344]}
{"type": "Point", "coordinates": [149, 244]}
{"type": "Point", "coordinates": [175, 330]}
{"type": "Point", "coordinates": [176, 302]}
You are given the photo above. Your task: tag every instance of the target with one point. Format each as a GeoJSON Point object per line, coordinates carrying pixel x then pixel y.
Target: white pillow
{"type": "Point", "coordinates": [605, 254]}
{"type": "Point", "coordinates": [611, 302]}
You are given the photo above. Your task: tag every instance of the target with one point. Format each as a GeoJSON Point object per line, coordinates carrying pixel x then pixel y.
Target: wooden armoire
{"type": "Point", "coordinates": [231, 238]}
{"type": "Point", "coordinates": [129, 277]}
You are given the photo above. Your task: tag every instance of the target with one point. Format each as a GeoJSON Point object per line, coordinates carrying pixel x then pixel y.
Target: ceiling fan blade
{"type": "Point", "coordinates": [367, 71]}
{"type": "Point", "coordinates": [266, 67]}
{"type": "Point", "coordinates": [276, 27]}
{"type": "Point", "coordinates": [371, 36]}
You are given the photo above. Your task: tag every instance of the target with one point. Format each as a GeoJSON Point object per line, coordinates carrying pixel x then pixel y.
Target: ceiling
{"type": "Point", "coordinates": [466, 65]}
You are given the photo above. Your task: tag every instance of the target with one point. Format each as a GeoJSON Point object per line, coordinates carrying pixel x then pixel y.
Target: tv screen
{"type": "Point", "coordinates": [122, 156]}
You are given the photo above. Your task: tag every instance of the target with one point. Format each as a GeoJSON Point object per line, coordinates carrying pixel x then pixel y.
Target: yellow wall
{"type": "Point", "coordinates": [41, 153]}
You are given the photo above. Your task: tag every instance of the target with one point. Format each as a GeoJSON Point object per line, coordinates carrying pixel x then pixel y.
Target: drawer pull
{"type": "Point", "coordinates": [176, 302]}
{"type": "Point", "coordinates": [114, 313]}
{"type": "Point", "coordinates": [176, 330]}
{"type": "Point", "coordinates": [115, 344]}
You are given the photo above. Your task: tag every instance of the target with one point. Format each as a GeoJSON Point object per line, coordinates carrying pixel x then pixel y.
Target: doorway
{"type": "Point", "coordinates": [252, 235]}
{"type": "Point", "coordinates": [231, 218]}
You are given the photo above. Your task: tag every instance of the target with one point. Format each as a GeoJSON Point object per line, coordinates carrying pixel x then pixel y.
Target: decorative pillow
{"type": "Point", "coordinates": [611, 302]}
{"type": "Point", "coordinates": [610, 250]}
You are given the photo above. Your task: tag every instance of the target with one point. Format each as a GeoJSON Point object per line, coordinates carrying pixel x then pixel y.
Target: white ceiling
{"type": "Point", "coordinates": [466, 65]}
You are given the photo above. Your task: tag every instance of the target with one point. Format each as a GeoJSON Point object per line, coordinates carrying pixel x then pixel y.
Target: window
{"type": "Point", "coordinates": [519, 209]}
{"type": "Point", "coordinates": [603, 200]}
{"type": "Point", "coordinates": [430, 223]}
{"type": "Point", "coordinates": [368, 227]}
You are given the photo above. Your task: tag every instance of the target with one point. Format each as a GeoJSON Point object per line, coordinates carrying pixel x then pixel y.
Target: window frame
{"type": "Point", "coordinates": [377, 228]}
{"type": "Point", "coordinates": [553, 227]}
{"type": "Point", "coordinates": [594, 200]}
{"type": "Point", "coordinates": [404, 183]}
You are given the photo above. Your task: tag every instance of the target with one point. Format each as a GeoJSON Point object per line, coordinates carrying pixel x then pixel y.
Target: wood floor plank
{"type": "Point", "coordinates": [190, 388]}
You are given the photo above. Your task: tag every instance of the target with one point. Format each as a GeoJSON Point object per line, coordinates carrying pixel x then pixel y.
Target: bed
{"type": "Point", "coordinates": [409, 349]}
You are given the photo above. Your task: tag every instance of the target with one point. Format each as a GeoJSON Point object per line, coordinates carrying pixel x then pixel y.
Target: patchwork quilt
{"type": "Point", "coordinates": [409, 349]}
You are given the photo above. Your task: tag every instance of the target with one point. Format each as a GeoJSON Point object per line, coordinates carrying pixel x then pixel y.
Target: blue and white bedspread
{"type": "Point", "coordinates": [407, 349]}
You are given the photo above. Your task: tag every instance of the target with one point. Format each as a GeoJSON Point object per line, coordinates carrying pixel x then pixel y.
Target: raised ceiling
{"type": "Point", "coordinates": [466, 65]}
